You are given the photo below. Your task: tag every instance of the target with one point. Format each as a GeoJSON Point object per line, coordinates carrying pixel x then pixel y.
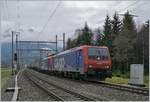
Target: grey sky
{"type": "Point", "coordinates": [31, 16]}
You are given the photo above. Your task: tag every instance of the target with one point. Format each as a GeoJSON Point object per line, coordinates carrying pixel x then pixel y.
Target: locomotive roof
{"type": "Point", "coordinates": [78, 48]}
{"type": "Point", "coordinates": [70, 50]}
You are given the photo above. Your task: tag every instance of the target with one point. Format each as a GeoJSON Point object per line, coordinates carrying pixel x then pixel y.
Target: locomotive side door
{"type": "Point", "coordinates": [79, 60]}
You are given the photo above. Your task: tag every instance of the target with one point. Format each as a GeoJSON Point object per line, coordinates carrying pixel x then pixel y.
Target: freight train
{"type": "Point", "coordinates": [84, 62]}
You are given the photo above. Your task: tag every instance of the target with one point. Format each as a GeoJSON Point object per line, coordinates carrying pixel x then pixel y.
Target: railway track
{"type": "Point", "coordinates": [133, 89]}
{"type": "Point", "coordinates": [138, 90]}
{"type": "Point", "coordinates": [55, 91]}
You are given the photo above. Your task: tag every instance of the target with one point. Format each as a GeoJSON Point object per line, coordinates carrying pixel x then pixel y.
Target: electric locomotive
{"type": "Point", "coordinates": [85, 62]}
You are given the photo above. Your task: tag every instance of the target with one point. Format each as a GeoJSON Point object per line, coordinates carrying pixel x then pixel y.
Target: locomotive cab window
{"type": "Point", "coordinates": [98, 53]}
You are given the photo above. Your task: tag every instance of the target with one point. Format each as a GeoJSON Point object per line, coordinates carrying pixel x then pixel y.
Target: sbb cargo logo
{"type": "Point", "coordinates": [59, 63]}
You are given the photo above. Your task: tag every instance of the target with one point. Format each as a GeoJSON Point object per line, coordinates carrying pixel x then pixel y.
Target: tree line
{"type": "Point", "coordinates": [127, 44]}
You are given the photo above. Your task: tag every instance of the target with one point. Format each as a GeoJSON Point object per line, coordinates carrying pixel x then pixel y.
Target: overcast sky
{"type": "Point", "coordinates": [30, 17]}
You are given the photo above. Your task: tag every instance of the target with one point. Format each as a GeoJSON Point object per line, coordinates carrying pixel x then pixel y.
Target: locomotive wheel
{"type": "Point", "coordinates": [77, 76]}
{"type": "Point", "coordinates": [72, 76]}
{"type": "Point", "coordinates": [83, 77]}
{"type": "Point", "coordinates": [65, 74]}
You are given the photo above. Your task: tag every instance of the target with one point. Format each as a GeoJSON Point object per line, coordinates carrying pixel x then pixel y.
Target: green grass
{"type": "Point", "coordinates": [146, 80]}
{"type": "Point", "coordinates": [121, 80]}
{"type": "Point", "coordinates": [118, 80]}
{"type": "Point", "coordinates": [5, 75]}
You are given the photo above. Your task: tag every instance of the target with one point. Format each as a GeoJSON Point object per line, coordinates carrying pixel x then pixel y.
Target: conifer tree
{"type": "Point", "coordinates": [116, 25]}
{"type": "Point", "coordinates": [99, 37]}
{"type": "Point", "coordinates": [68, 43]}
{"type": "Point", "coordinates": [107, 32]}
{"type": "Point", "coordinates": [124, 44]}
{"type": "Point", "coordinates": [87, 35]}
{"type": "Point", "coordinates": [116, 28]}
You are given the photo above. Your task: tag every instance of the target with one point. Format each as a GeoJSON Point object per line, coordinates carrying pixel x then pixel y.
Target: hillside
{"type": "Point", "coordinates": [27, 56]}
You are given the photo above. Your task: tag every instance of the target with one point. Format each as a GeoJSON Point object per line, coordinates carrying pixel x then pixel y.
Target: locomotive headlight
{"type": "Point", "coordinates": [98, 58]}
{"type": "Point", "coordinates": [106, 66]}
{"type": "Point", "coordinates": [90, 66]}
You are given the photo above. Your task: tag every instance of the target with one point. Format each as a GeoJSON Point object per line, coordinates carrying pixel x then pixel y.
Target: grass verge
{"type": "Point", "coordinates": [146, 80]}
{"type": "Point", "coordinates": [121, 80]}
{"type": "Point", "coordinates": [5, 75]}
{"type": "Point", "coordinates": [117, 80]}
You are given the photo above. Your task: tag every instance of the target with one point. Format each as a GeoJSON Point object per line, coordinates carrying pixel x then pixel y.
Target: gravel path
{"type": "Point", "coordinates": [95, 90]}
{"type": "Point", "coordinates": [7, 96]}
{"type": "Point", "coordinates": [30, 92]}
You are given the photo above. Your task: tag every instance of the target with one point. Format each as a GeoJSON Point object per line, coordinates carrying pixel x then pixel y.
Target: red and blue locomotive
{"type": "Point", "coordinates": [84, 62]}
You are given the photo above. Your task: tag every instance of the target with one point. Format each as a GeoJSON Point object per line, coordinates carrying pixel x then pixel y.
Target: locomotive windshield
{"type": "Point", "coordinates": [98, 53]}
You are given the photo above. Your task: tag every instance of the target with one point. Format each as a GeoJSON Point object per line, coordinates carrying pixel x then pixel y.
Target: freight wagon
{"type": "Point", "coordinates": [85, 62]}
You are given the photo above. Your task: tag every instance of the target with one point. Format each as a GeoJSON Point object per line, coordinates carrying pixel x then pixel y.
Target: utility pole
{"type": "Point", "coordinates": [64, 41]}
{"type": "Point", "coordinates": [13, 32]}
{"type": "Point", "coordinates": [17, 52]}
{"type": "Point", "coordinates": [12, 60]}
{"type": "Point", "coordinates": [40, 58]}
{"type": "Point", "coordinates": [18, 46]}
{"type": "Point", "coordinates": [56, 43]}
{"type": "Point", "coordinates": [143, 48]}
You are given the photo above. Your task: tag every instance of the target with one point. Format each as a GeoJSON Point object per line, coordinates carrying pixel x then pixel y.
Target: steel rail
{"type": "Point", "coordinates": [138, 90]}
{"type": "Point", "coordinates": [50, 93]}
{"type": "Point", "coordinates": [86, 98]}
{"type": "Point", "coordinates": [122, 87]}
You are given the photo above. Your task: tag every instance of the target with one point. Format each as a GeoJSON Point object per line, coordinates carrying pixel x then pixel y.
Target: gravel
{"type": "Point", "coordinates": [96, 91]}
{"type": "Point", "coordinates": [63, 94]}
{"type": "Point", "coordinates": [30, 92]}
{"type": "Point", "coordinates": [7, 96]}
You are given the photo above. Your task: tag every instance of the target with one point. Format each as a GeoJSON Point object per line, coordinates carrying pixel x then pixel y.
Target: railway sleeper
{"type": "Point", "coordinates": [67, 90]}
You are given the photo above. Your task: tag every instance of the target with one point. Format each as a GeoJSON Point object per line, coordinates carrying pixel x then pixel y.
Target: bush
{"type": "Point", "coordinates": [117, 73]}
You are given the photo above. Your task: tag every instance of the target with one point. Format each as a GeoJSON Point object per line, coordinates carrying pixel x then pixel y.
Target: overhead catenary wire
{"type": "Point", "coordinates": [130, 5]}
{"type": "Point", "coordinates": [50, 16]}
{"type": "Point", "coordinates": [124, 9]}
{"type": "Point", "coordinates": [5, 13]}
{"type": "Point", "coordinates": [18, 14]}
